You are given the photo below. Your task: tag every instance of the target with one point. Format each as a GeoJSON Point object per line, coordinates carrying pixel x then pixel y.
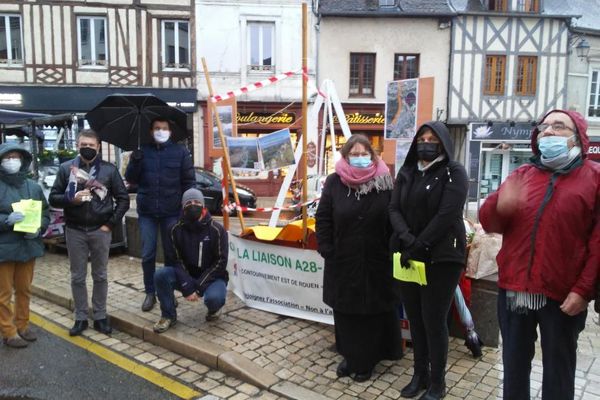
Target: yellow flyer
{"type": "Point", "coordinates": [416, 272]}
{"type": "Point", "coordinates": [32, 210]}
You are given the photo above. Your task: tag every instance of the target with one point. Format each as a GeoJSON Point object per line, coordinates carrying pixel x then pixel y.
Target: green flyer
{"type": "Point", "coordinates": [32, 210]}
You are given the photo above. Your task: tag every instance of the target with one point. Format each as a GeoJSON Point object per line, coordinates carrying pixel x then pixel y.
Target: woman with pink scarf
{"type": "Point", "coordinates": [353, 233]}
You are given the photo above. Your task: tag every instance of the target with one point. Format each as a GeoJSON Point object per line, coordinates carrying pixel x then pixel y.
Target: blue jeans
{"type": "Point", "coordinates": [166, 283]}
{"type": "Point", "coordinates": [559, 333]}
{"type": "Point", "coordinates": [149, 227]}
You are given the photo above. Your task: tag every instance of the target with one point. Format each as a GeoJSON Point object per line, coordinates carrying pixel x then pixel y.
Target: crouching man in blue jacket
{"type": "Point", "coordinates": [201, 268]}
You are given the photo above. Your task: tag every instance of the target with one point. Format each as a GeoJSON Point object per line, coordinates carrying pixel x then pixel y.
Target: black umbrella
{"type": "Point", "coordinates": [124, 119]}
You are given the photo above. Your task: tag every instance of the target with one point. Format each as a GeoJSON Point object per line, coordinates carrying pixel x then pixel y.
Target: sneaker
{"type": "Point", "coordinates": [15, 342]}
{"type": "Point", "coordinates": [214, 315]}
{"type": "Point", "coordinates": [163, 324]}
{"type": "Point", "coordinates": [28, 335]}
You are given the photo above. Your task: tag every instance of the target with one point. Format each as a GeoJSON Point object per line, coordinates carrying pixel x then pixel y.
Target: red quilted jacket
{"type": "Point", "coordinates": [557, 251]}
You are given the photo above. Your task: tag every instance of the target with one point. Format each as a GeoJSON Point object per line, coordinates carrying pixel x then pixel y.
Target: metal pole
{"type": "Point", "coordinates": [214, 112]}
{"type": "Point", "coordinates": [303, 168]}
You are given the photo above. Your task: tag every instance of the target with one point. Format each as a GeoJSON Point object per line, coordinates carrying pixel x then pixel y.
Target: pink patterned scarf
{"type": "Point", "coordinates": [363, 180]}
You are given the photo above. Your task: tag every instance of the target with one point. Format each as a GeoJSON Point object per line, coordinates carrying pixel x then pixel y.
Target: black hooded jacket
{"type": "Point", "coordinates": [426, 206]}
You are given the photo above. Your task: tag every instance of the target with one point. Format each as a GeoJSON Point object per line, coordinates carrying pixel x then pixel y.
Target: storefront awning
{"type": "Point", "coordinates": [73, 99]}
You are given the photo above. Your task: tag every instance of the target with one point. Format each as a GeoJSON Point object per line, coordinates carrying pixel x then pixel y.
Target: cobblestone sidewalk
{"type": "Point", "coordinates": [299, 351]}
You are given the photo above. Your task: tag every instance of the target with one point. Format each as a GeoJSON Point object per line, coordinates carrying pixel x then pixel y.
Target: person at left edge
{"type": "Point", "coordinates": [94, 199]}
{"type": "Point", "coordinates": [18, 250]}
{"type": "Point", "coordinates": [163, 170]}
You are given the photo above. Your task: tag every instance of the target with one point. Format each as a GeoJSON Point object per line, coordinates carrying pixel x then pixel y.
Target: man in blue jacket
{"type": "Point", "coordinates": [162, 170]}
{"type": "Point", "coordinates": [201, 267]}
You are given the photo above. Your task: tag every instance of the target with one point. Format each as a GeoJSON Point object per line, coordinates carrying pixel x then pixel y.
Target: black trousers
{"type": "Point", "coordinates": [427, 309]}
{"type": "Point", "coordinates": [559, 333]}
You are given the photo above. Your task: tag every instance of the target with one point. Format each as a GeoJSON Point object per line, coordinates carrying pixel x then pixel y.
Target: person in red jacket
{"type": "Point", "coordinates": [549, 214]}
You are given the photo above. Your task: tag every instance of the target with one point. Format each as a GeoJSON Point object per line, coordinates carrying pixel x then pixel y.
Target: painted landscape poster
{"type": "Point", "coordinates": [276, 149]}
{"type": "Point", "coordinates": [243, 153]}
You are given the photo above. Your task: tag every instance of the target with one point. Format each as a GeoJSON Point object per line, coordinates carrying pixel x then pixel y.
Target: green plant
{"type": "Point", "coordinates": [67, 153]}
{"type": "Point", "coordinates": [46, 156]}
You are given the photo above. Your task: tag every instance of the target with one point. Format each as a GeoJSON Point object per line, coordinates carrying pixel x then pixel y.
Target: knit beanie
{"type": "Point", "coordinates": [192, 194]}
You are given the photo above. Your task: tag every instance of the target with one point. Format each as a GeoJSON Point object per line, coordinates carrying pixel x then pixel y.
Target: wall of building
{"type": "Point", "coordinates": [222, 40]}
{"type": "Point", "coordinates": [580, 76]}
{"type": "Point", "coordinates": [384, 36]}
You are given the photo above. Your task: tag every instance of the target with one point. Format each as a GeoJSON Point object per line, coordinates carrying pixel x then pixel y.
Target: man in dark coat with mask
{"type": "Point", "coordinates": [94, 199]}
{"type": "Point", "coordinates": [200, 270]}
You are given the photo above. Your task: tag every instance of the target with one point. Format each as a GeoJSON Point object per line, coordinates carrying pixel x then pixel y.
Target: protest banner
{"type": "Point", "coordinates": [279, 279]}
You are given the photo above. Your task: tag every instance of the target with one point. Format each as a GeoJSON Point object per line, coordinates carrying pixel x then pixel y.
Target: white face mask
{"type": "Point", "coordinates": [11, 165]}
{"type": "Point", "coordinates": [161, 135]}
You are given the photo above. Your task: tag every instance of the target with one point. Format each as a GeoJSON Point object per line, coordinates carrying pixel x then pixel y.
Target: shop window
{"type": "Point", "coordinates": [594, 105]}
{"type": "Point", "coordinates": [93, 46]}
{"type": "Point", "coordinates": [495, 72]}
{"type": "Point", "coordinates": [526, 76]}
{"type": "Point", "coordinates": [406, 66]}
{"type": "Point", "coordinates": [261, 45]}
{"type": "Point", "coordinates": [11, 46]}
{"type": "Point", "coordinates": [362, 74]}
{"type": "Point", "coordinates": [387, 3]}
{"type": "Point", "coordinates": [175, 45]}
{"type": "Point", "coordinates": [498, 5]}
{"type": "Point", "coordinates": [528, 5]}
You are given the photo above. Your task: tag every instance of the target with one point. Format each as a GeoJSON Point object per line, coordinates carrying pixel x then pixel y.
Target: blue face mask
{"type": "Point", "coordinates": [360, 162]}
{"type": "Point", "coordinates": [553, 146]}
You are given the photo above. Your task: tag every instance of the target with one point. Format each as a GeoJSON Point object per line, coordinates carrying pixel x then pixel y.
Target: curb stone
{"type": "Point", "coordinates": [210, 354]}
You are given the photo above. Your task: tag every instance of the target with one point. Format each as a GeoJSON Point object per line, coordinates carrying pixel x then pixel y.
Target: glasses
{"type": "Point", "coordinates": [556, 127]}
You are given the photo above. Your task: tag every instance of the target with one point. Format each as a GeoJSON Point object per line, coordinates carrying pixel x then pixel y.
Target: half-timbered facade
{"type": "Point", "coordinates": [66, 56]}
{"type": "Point", "coordinates": [508, 65]}
{"type": "Point", "coordinates": [584, 68]}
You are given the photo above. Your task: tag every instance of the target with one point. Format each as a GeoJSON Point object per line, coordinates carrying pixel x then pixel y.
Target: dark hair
{"type": "Point", "coordinates": [160, 119]}
{"type": "Point", "coordinates": [358, 139]}
{"type": "Point", "coordinates": [88, 133]}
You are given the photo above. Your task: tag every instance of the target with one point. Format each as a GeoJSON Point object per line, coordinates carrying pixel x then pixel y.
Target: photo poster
{"type": "Point", "coordinates": [401, 109]}
{"type": "Point", "coordinates": [402, 147]}
{"type": "Point", "coordinates": [276, 149]}
{"type": "Point", "coordinates": [227, 110]}
{"type": "Point", "coordinates": [243, 153]}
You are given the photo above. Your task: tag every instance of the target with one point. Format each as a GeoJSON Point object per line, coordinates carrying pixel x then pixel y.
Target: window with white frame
{"type": "Point", "coordinates": [387, 3]}
{"type": "Point", "coordinates": [11, 45]}
{"type": "Point", "coordinates": [594, 104]}
{"type": "Point", "coordinates": [261, 45]}
{"type": "Point", "coordinates": [176, 45]}
{"type": "Point", "coordinates": [92, 43]}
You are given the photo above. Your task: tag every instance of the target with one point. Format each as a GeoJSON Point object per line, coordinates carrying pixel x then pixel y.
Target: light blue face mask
{"type": "Point", "coordinates": [553, 146]}
{"type": "Point", "coordinates": [360, 162]}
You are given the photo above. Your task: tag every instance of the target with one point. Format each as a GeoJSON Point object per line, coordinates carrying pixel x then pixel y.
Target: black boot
{"type": "Point", "coordinates": [342, 369]}
{"type": "Point", "coordinates": [78, 327]}
{"type": "Point", "coordinates": [435, 392]}
{"type": "Point", "coordinates": [102, 326]}
{"type": "Point", "coordinates": [417, 383]}
{"type": "Point", "coordinates": [149, 302]}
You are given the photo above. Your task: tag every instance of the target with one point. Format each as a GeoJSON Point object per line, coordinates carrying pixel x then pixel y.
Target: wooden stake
{"type": "Point", "coordinates": [214, 112]}
{"type": "Point", "coordinates": [225, 195]}
{"type": "Point", "coordinates": [304, 169]}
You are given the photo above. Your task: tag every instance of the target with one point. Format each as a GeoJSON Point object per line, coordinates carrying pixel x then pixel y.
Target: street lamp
{"type": "Point", "coordinates": [582, 48]}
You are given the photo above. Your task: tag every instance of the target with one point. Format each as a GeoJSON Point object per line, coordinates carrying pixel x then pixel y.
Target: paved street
{"type": "Point", "coordinates": [56, 369]}
{"type": "Point", "coordinates": [282, 354]}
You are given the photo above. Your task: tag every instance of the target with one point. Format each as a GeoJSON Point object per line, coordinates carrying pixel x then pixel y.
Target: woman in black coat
{"type": "Point", "coordinates": [426, 215]}
{"type": "Point", "coordinates": [353, 233]}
